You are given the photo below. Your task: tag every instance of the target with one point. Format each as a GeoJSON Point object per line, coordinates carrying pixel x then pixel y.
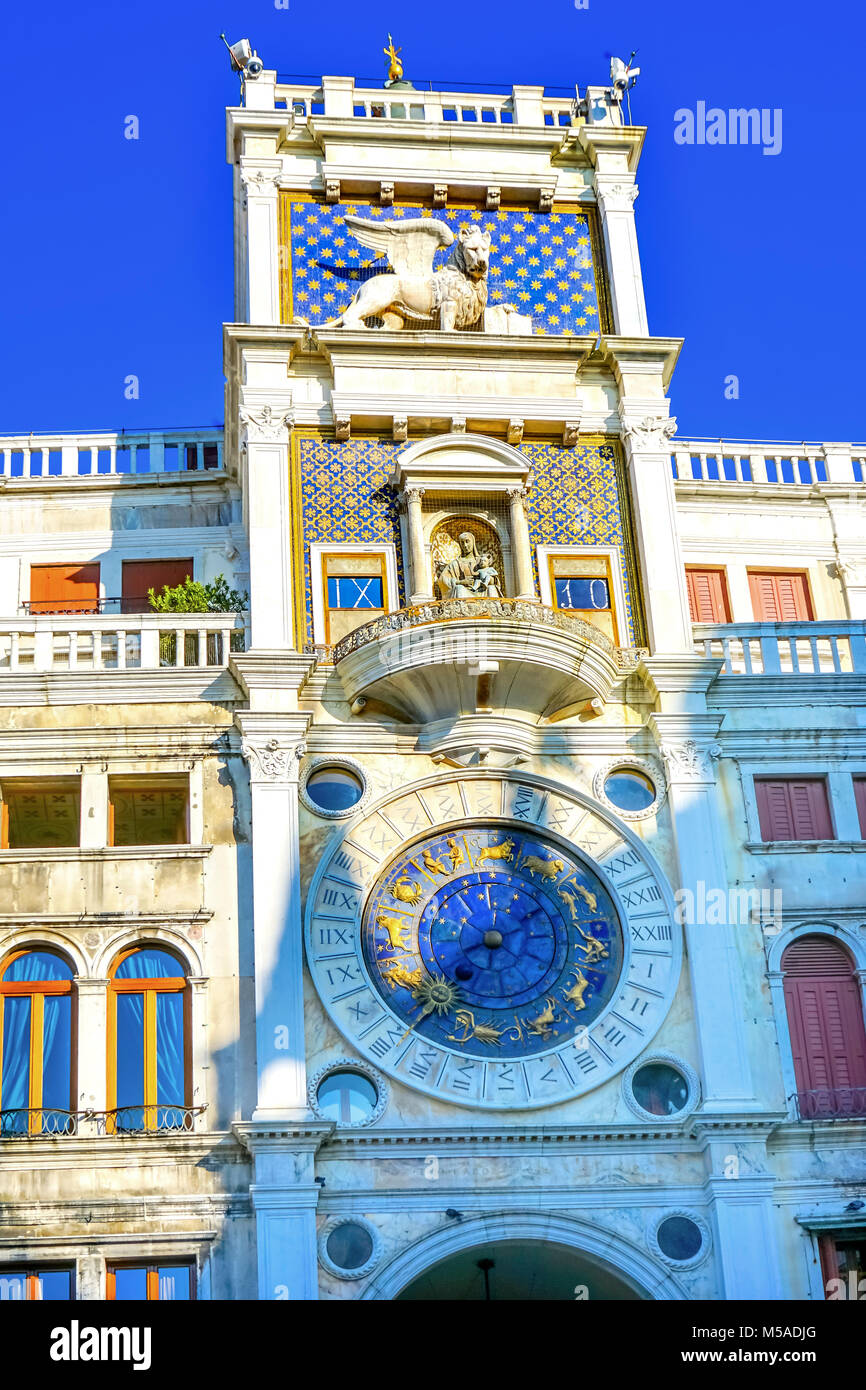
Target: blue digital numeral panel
{"type": "Point", "coordinates": [582, 593]}
{"type": "Point", "coordinates": [354, 591]}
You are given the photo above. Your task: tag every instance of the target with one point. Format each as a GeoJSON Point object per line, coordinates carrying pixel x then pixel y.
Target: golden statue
{"type": "Point", "coordinates": [395, 69]}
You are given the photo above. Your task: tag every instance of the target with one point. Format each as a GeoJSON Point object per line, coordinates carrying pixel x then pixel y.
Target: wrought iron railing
{"type": "Point", "coordinates": [149, 1119]}
{"type": "Point", "coordinates": [831, 1103]}
{"type": "Point", "coordinates": [29, 1124]}
{"type": "Point", "coordinates": [126, 1119]}
{"type": "Point", "coordinates": [483, 609]}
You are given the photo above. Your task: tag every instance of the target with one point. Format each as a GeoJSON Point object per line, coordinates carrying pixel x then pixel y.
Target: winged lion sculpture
{"type": "Point", "coordinates": [412, 293]}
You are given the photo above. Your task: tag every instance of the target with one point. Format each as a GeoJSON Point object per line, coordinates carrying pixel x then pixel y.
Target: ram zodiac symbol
{"type": "Point", "coordinates": [547, 868]}
{"type": "Point", "coordinates": [504, 851]}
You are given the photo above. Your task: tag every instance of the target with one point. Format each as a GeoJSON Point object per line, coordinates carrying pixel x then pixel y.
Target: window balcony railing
{"type": "Point", "coordinates": [35, 1124]}
{"type": "Point", "coordinates": [125, 1120]}
{"type": "Point", "coordinates": [831, 1103]}
{"type": "Point", "coordinates": [774, 649]}
{"type": "Point", "coordinates": [60, 642]}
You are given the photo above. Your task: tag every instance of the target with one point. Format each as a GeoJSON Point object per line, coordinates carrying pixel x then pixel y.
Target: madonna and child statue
{"type": "Point", "coordinates": [474, 572]}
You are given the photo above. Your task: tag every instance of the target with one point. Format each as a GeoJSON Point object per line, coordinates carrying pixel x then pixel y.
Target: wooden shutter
{"type": "Point", "coordinates": [708, 595]}
{"type": "Point", "coordinates": [793, 809]}
{"type": "Point", "coordinates": [64, 588]}
{"type": "Point", "coordinates": [780, 598]}
{"type": "Point", "coordinates": [860, 798]}
{"type": "Point", "coordinates": [825, 1019]}
{"type": "Point", "coordinates": [141, 575]}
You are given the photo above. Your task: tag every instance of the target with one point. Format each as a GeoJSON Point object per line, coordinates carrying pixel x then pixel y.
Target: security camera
{"type": "Point", "coordinates": [254, 66]}
{"type": "Point", "coordinates": [244, 58]}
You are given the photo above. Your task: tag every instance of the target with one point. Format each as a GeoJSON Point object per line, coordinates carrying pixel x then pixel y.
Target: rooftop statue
{"type": "Point", "coordinates": [414, 295]}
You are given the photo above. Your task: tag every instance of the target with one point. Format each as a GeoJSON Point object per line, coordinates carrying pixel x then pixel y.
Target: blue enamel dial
{"type": "Point", "coordinates": [493, 941]}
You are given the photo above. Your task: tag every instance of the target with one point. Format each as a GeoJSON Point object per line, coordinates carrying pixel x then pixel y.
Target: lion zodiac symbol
{"type": "Point", "coordinates": [397, 931]}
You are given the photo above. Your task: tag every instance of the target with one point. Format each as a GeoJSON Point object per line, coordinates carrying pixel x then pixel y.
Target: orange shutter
{"type": "Point", "coordinates": [793, 809]}
{"type": "Point", "coordinates": [779, 598]}
{"type": "Point", "coordinates": [708, 596]}
{"type": "Point", "coordinates": [64, 588]}
{"type": "Point", "coordinates": [825, 1019]}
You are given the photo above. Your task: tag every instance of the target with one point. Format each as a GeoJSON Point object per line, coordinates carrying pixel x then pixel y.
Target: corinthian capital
{"type": "Point", "coordinates": [652, 434]}
{"type": "Point", "coordinates": [690, 761]}
{"type": "Point", "coordinates": [265, 425]}
{"type": "Point", "coordinates": [617, 197]}
{"type": "Point", "coordinates": [271, 760]}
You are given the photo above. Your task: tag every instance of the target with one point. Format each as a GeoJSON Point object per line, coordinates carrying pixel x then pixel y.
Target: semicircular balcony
{"type": "Point", "coordinates": [451, 659]}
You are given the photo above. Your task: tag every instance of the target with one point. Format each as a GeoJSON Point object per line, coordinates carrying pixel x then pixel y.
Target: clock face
{"type": "Point", "coordinates": [493, 940]}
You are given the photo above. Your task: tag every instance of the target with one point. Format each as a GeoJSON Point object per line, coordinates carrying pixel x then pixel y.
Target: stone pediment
{"type": "Point", "coordinates": [461, 463]}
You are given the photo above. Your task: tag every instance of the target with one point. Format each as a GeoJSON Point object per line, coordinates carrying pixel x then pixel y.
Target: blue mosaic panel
{"type": "Point", "coordinates": [540, 262]}
{"type": "Point", "coordinates": [492, 941]}
{"type": "Point", "coordinates": [345, 496]}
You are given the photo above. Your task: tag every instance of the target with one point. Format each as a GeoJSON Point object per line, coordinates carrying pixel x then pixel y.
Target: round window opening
{"type": "Point", "coordinates": [334, 788]}
{"type": "Point", "coordinates": [679, 1238]}
{"type": "Point", "coordinates": [347, 1097]}
{"type": "Point", "coordinates": [660, 1089]}
{"type": "Point", "coordinates": [629, 789]}
{"type": "Point", "coordinates": [349, 1246]}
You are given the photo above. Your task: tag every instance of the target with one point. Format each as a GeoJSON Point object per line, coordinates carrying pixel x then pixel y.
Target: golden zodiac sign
{"type": "Point", "coordinates": [571, 902]}
{"type": "Point", "coordinates": [403, 890]}
{"type": "Point", "coordinates": [542, 1025]}
{"type": "Point", "coordinates": [395, 68]}
{"type": "Point", "coordinates": [547, 868]}
{"type": "Point", "coordinates": [396, 974]}
{"type": "Point", "coordinates": [396, 931]}
{"type": "Point", "coordinates": [578, 990]}
{"type": "Point", "coordinates": [433, 866]}
{"type": "Point", "coordinates": [504, 851]}
{"type": "Point", "coordinates": [595, 949]}
{"type": "Point", "coordinates": [455, 854]}
{"type": "Point", "coordinates": [484, 1032]}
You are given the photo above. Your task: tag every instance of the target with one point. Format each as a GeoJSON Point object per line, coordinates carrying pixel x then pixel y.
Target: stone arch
{"type": "Point", "coordinates": [141, 937]}
{"type": "Point", "coordinates": [635, 1267]}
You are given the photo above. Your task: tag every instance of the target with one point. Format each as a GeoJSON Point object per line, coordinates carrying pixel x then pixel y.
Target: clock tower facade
{"type": "Point", "coordinates": [482, 748]}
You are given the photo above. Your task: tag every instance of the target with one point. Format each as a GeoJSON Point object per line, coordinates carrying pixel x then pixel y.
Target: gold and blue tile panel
{"type": "Point", "coordinates": [345, 497]}
{"type": "Point", "coordinates": [544, 264]}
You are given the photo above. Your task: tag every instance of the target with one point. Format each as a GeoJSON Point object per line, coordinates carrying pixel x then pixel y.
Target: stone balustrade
{"type": "Point", "coordinates": [834, 647]}
{"type": "Point", "coordinates": [133, 641]}
{"type": "Point", "coordinates": [48, 456]}
{"type": "Point", "coordinates": [752, 461]}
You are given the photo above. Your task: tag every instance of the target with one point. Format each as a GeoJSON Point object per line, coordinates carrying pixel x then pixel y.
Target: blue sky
{"type": "Point", "coordinates": [117, 254]}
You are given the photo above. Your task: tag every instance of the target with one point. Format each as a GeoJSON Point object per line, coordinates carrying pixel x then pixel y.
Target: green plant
{"type": "Point", "coordinates": [194, 597]}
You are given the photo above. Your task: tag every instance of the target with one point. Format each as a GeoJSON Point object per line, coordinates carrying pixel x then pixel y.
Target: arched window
{"type": "Point", "coordinates": [148, 1041]}
{"type": "Point", "coordinates": [825, 1020]}
{"type": "Point", "coordinates": [36, 1043]}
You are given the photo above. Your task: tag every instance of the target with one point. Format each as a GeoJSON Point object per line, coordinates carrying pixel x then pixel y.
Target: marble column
{"type": "Point", "coordinates": [687, 743]}
{"type": "Point", "coordinates": [521, 549]}
{"type": "Point", "coordinates": [420, 586]}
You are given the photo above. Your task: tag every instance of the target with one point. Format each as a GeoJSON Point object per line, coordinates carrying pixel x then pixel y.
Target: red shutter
{"type": "Point", "coordinates": [141, 575]}
{"type": "Point", "coordinates": [825, 1019]}
{"type": "Point", "coordinates": [860, 798]}
{"type": "Point", "coordinates": [793, 809]}
{"type": "Point", "coordinates": [779, 598]}
{"type": "Point", "coordinates": [64, 588]}
{"type": "Point", "coordinates": [708, 597]}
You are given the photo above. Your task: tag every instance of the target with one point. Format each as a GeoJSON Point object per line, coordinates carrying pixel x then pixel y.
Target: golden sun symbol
{"type": "Point", "coordinates": [437, 996]}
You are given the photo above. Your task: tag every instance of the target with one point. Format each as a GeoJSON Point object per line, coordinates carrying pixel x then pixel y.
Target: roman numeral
{"type": "Point", "coordinates": [635, 897]}
{"type": "Point", "coordinates": [385, 1041]}
{"type": "Point", "coordinates": [421, 1063]}
{"type": "Point", "coordinates": [651, 931]}
{"type": "Point", "coordinates": [333, 936]}
{"type": "Point", "coordinates": [620, 862]}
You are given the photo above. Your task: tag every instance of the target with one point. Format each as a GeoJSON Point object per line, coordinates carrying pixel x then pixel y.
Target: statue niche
{"type": "Point", "coordinates": [467, 560]}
